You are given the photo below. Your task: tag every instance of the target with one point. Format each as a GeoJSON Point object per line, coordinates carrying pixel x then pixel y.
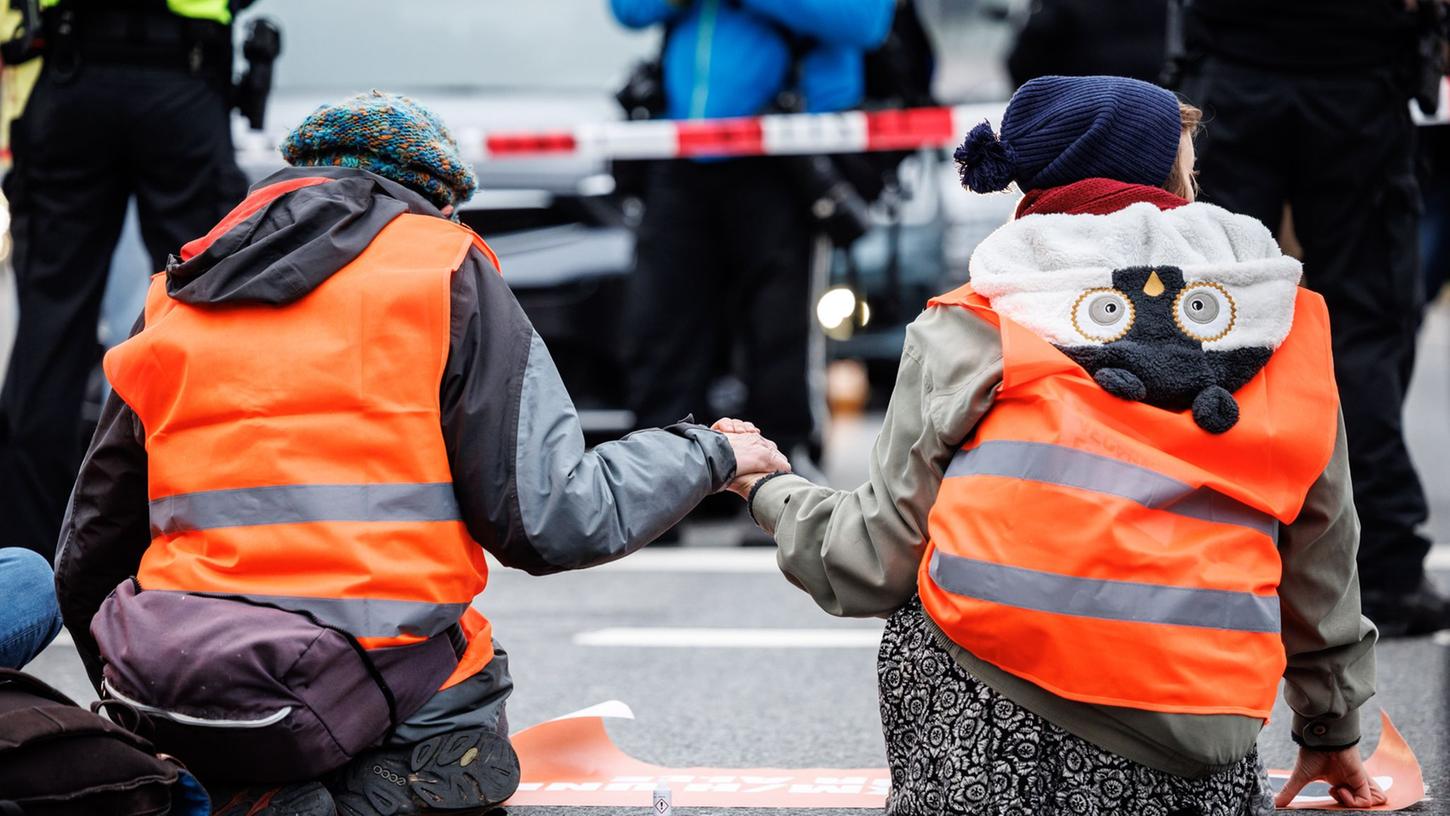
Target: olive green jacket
{"type": "Point", "coordinates": [857, 551]}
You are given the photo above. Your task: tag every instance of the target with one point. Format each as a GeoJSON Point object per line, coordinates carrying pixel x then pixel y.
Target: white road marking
{"type": "Point", "coordinates": [1442, 638]}
{"type": "Point", "coordinates": [705, 638]}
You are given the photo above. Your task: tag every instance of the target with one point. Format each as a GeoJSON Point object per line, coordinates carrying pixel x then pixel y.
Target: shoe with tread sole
{"type": "Point", "coordinates": [471, 771]}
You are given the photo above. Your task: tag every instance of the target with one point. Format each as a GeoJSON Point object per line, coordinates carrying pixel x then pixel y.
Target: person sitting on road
{"type": "Point", "coordinates": [1109, 506]}
{"type": "Point", "coordinates": [332, 407]}
{"type": "Point", "coordinates": [30, 619]}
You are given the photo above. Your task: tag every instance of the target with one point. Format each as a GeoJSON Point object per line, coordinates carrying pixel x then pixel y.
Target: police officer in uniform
{"type": "Point", "coordinates": [133, 99]}
{"type": "Point", "coordinates": [1307, 103]}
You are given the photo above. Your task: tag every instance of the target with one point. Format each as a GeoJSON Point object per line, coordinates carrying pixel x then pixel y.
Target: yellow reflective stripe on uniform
{"type": "Point", "coordinates": [1069, 467]}
{"type": "Point", "coordinates": [300, 504]}
{"type": "Point", "coordinates": [1106, 599]}
{"type": "Point", "coordinates": [216, 10]}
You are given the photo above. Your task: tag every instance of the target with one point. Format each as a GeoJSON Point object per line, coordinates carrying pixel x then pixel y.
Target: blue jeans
{"type": "Point", "coordinates": [29, 615]}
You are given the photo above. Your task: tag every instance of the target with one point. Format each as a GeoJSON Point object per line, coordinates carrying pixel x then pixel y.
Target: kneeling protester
{"type": "Point", "coordinates": [332, 408]}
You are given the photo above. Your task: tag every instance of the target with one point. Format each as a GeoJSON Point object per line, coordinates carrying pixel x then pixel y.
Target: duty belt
{"type": "Point", "coordinates": [142, 39]}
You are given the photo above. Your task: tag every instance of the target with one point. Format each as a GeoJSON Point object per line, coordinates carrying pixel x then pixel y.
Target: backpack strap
{"type": "Point", "coordinates": [52, 715]}
{"type": "Point", "coordinates": [27, 683]}
{"type": "Point", "coordinates": [28, 726]}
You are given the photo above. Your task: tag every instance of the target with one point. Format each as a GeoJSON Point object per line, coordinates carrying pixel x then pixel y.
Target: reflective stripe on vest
{"type": "Point", "coordinates": [299, 504]}
{"type": "Point", "coordinates": [295, 451]}
{"type": "Point", "coordinates": [1055, 464]}
{"type": "Point", "coordinates": [1106, 599]}
{"type": "Point", "coordinates": [365, 617]}
{"type": "Point", "coordinates": [1115, 553]}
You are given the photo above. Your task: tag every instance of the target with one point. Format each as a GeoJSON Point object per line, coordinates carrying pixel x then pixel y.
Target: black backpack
{"type": "Point", "coordinates": [58, 759]}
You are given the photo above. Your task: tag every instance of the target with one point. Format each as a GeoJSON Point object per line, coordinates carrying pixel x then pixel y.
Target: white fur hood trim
{"type": "Point", "coordinates": [1033, 269]}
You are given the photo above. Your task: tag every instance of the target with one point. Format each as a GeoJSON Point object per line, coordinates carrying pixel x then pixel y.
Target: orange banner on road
{"type": "Point", "coordinates": [572, 761]}
{"type": "Point", "coordinates": [1393, 766]}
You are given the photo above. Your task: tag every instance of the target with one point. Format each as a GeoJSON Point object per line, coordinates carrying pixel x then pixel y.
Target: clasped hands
{"type": "Point", "coordinates": [755, 456]}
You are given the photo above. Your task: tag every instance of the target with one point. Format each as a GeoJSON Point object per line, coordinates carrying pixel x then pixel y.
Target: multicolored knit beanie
{"type": "Point", "coordinates": [386, 134]}
{"type": "Point", "coordinates": [1058, 130]}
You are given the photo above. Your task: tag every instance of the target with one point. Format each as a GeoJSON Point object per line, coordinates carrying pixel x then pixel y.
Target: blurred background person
{"type": "Point", "coordinates": [133, 99]}
{"type": "Point", "coordinates": [1084, 38]}
{"type": "Point", "coordinates": [1307, 103]}
{"type": "Point", "coordinates": [1434, 178]}
{"type": "Point", "coordinates": [736, 232]}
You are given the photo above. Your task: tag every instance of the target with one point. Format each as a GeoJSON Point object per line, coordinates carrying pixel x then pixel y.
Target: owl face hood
{"type": "Point", "coordinates": [1177, 308]}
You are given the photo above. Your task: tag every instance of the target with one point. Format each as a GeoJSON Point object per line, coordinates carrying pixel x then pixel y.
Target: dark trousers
{"type": "Point", "coordinates": [724, 258]}
{"type": "Point", "coordinates": [1340, 150]}
{"type": "Point", "coordinates": [1434, 167]}
{"type": "Point", "coordinates": [86, 143]}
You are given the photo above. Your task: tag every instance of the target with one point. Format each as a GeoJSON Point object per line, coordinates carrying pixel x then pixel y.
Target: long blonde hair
{"type": "Point", "coordinates": [1184, 183]}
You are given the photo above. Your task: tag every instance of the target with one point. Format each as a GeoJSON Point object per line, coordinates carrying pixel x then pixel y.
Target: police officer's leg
{"type": "Point", "coordinates": [675, 309]}
{"type": "Point", "coordinates": [1244, 145]}
{"type": "Point", "coordinates": [182, 159]}
{"type": "Point", "coordinates": [67, 200]}
{"type": "Point", "coordinates": [1356, 213]}
{"type": "Point", "coordinates": [771, 260]}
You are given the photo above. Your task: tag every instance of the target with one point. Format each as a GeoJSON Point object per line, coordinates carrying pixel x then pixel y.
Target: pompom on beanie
{"type": "Point", "coordinates": [387, 134]}
{"type": "Point", "coordinates": [1058, 130]}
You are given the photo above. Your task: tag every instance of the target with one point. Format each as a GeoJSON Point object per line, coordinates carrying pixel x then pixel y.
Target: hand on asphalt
{"type": "Point", "coordinates": [1349, 784]}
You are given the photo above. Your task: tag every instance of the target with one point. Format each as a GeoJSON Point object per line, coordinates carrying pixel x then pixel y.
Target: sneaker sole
{"type": "Point", "coordinates": [465, 772]}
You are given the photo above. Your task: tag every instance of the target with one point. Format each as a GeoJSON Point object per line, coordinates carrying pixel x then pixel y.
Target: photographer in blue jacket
{"type": "Point", "coordinates": [734, 237]}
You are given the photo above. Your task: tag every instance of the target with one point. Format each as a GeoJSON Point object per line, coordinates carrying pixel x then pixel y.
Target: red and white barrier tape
{"type": "Point", "coordinates": [785, 134]}
{"type": "Point", "coordinates": [775, 135]}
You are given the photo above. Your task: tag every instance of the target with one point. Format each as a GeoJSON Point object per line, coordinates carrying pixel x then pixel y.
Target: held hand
{"type": "Point", "coordinates": [745, 483]}
{"type": "Point", "coordinates": [1349, 784]}
{"type": "Point", "coordinates": [755, 456]}
{"type": "Point", "coordinates": [727, 425]}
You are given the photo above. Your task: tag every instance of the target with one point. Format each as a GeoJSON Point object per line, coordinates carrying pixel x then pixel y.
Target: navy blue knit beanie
{"type": "Point", "coordinates": [1058, 130]}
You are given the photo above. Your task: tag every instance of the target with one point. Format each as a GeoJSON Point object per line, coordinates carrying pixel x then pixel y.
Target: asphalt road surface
{"type": "Point", "coordinates": [646, 631]}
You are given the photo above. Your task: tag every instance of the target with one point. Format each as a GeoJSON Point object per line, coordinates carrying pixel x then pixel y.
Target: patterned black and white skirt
{"type": "Point", "coordinates": [955, 746]}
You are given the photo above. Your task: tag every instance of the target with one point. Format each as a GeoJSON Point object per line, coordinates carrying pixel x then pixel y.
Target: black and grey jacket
{"type": "Point", "coordinates": [528, 491]}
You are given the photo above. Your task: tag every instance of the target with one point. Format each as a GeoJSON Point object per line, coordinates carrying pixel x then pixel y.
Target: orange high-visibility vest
{"type": "Point", "coordinates": [1115, 553]}
{"type": "Point", "coordinates": [295, 456]}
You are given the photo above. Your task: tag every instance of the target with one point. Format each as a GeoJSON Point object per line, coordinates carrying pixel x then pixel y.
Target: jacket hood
{"type": "Point", "coordinates": [294, 230]}
{"type": "Point", "coordinates": [1036, 269]}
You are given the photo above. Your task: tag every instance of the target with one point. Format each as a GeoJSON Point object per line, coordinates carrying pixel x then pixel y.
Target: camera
{"type": "Point", "coordinates": [261, 48]}
{"type": "Point", "coordinates": [643, 94]}
{"type": "Point", "coordinates": [835, 205]}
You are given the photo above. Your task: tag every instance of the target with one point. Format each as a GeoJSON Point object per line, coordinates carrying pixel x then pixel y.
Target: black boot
{"type": "Point", "coordinates": [469, 771]}
{"type": "Point", "coordinates": [1423, 610]}
{"type": "Point", "coordinates": [304, 799]}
